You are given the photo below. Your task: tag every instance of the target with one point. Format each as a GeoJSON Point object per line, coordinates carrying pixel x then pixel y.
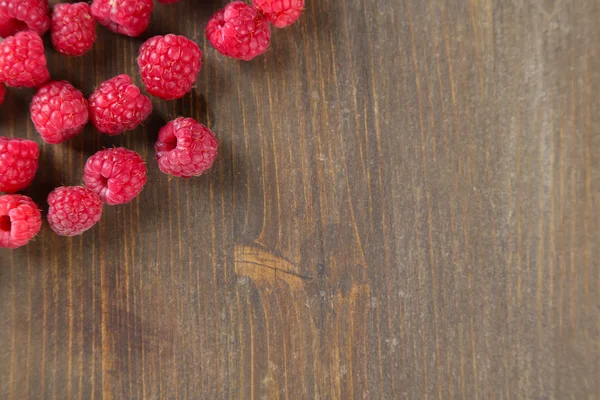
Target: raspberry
{"type": "Point", "coordinates": [239, 31]}
{"type": "Point", "coordinates": [185, 148]}
{"type": "Point", "coordinates": [280, 13]}
{"type": "Point", "coordinates": [2, 92]}
{"type": "Point", "coordinates": [22, 60]}
{"type": "Point", "coordinates": [118, 106]}
{"type": "Point", "coordinates": [128, 17]}
{"type": "Point", "coordinates": [73, 30]}
{"type": "Point", "coordinates": [19, 15]}
{"type": "Point", "coordinates": [117, 175]}
{"type": "Point", "coordinates": [169, 65]}
{"type": "Point", "coordinates": [73, 210]}
{"type": "Point", "coordinates": [59, 112]}
{"type": "Point", "coordinates": [8, 25]}
{"type": "Point", "coordinates": [20, 220]}
{"type": "Point", "coordinates": [18, 163]}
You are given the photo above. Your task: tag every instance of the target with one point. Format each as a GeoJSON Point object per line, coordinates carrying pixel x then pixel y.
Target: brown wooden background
{"type": "Point", "coordinates": [405, 205]}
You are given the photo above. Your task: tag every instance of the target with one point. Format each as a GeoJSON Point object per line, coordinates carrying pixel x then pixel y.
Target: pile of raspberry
{"type": "Point", "coordinates": [168, 67]}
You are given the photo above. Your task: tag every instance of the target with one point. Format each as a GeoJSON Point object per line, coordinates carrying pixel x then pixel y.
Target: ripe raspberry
{"type": "Point", "coordinates": [22, 60]}
{"type": "Point", "coordinates": [2, 92]}
{"type": "Point", "coordinates": [169, 65]}
{"type": "Point", "coordinates": [59, 112]}
{"type": "Point", "coordinates": [73, 210]}
{"type": "Point", "coordinates": [128, 17]}
{"type": "Point", "coordinates": [117, 175]}
{"type": "Point", "coordinates": [280, 13]}
{"type": "Point", "coordinates": [239, 31]}
{"type": "Point", "coordinates": [118, 106]}
{"type": "Point", "coordinates": [8, 25]}
{"type": "Point", "coordinates": [185, 148]}
{"type": "Point", "coordinates": [20, 220]}
{"type": "Point", "coordinates": [19, 15]}
{"type": "Point", "coordinates": [18, 163]}
{"type": "Point", "coordinates": [73, 30]}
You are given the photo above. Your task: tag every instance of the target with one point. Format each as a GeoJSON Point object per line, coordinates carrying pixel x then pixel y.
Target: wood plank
{"type": "Point", "coordinates": [405, 205]}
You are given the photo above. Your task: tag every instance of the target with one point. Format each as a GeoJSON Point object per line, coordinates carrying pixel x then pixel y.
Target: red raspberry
{"type": "Point", "coordinates": [22, 60]}
{"type": "Point", "coordinates": [20, 220]}
{"type": "Point", "coordinates": [128, 17]}
{"type": "Point", "coordinates": [280, 13]}
{"type": "Point", "coordinates": [9, 26]}
{"type": "Point", "coordinates": [118, 106]}
{"type": "Point", "coordinates": [59, 112]}
{"type": "Point", "coordinates": [18, 163]}
{"type": "Point", "coordinates": [239, 31]}
{"type": "Point", "coordinates": [73, 30]}
{"type": "Point", "coordinates": [19, 15]}
{"type": "Point", "coordinates": [169, 65]}
{"type": "Point", "coordinates": [73, 210]}
{"type": "Point", "coordinates": [185, 148]}
{"type": "Point", "coordinates": [117, 175]}
{"type": "Point", "coordinates": [2, 92]}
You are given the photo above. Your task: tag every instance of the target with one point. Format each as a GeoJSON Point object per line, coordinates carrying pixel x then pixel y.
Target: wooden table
{"type": "Point", "coordinates": [405, 205]}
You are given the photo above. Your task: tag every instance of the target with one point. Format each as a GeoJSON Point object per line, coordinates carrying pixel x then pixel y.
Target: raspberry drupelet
{"type": "Point", "coordinates": [185, 148]}
{"type": "Point", "coordinates": [20, 220]}
{"type": "Point", "coordinates": [117, 175]}
{"type": "Point", "coordinates": [19, 160]}
{"type": "Point", "coordinates": [73, 210]}
{"type": "Point", "coordinates": [73, 29]}
{"type": "Point", "coordinates": [118, 106]}
{"type": "Point", "coordinates": [169, 65]}
{"type": "Point", "coordinates": [59, 112]}
{"type": "Point", "coordinates": [239, 31]}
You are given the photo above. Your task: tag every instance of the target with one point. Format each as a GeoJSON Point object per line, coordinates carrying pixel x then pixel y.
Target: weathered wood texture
{"type": "Point", "coordinates": [405, 205]}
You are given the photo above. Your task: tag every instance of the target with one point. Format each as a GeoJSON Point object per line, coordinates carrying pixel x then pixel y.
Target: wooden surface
{"type": "Point", "coordinates": [405, 205]}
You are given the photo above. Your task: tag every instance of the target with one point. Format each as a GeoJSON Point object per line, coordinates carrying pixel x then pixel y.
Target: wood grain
{"type": "Point", "coordinates": [405, 205]}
